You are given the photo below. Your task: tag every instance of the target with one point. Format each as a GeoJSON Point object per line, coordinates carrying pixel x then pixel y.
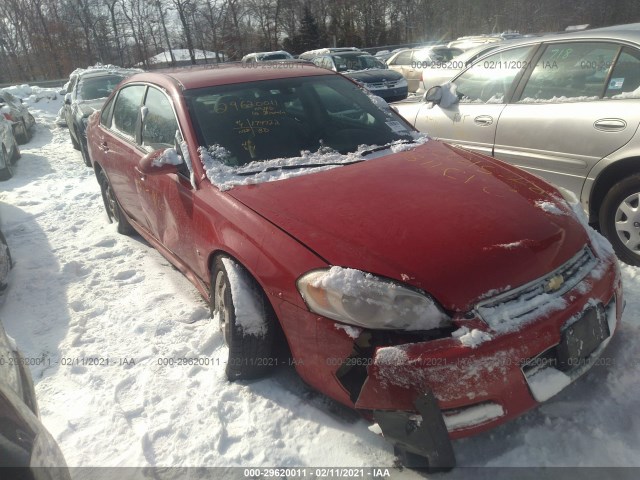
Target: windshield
{"type": "Point", "coordinates": [356, 62]}
{"type": "Point", "coordinates": [260, 121]}
{"type": "Point", "coordinates": [98, 87]}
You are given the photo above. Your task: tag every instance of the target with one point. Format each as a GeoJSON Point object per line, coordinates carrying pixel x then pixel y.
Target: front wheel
{"type": "Point", "coordinates": [246, 318]}
{"type": "Point", "coordinates": [620, 219]}
{"type": "Point", "coordinates": [85, 152]}
{"type": "Point", "coordinates": [111, 205]}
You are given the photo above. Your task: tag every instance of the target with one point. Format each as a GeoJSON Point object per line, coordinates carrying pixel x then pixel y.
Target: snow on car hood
{"type": "Point", "coordinates": [435, 216]}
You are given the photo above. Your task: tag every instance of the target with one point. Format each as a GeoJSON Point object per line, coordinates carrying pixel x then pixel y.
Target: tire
{"type": "Point", "coordinates": [251, 348]}
{"type": "Point", "coordinates": [619, 219]}
{"type": "Point", "coordinates": [6, 165]}
{"type": "Point", "coordinates": [74, 142]}
{"type": "Point", "coordinates": [21, 133]}
{"type": "Point", "coordinates": [16, 154]}
{"type": "Point", "coordinates": [111, 205]}
{"type": "Point", "coordinates": [85, 152]}
{"type": "Point", "coordinates": [6, 263]}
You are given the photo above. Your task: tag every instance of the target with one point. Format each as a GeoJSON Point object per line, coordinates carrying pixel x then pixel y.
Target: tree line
{"type": "Point", "coordinates": [44, 39]}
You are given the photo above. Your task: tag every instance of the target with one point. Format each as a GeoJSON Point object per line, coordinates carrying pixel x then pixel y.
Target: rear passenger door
{"type": "Point", "coordinates": [573, 110]}
{"type": "Point", "coordinates": [118, 151]}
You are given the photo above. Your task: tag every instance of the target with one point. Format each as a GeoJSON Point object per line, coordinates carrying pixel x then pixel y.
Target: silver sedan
{"type": "Point", "coordinates": [565, 107]}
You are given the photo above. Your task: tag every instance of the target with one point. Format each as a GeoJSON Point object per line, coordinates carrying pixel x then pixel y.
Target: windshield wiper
{"type": "Point", "coordinates": [294, 167]}
{"type": "Point", "coordinates": [384, 147]}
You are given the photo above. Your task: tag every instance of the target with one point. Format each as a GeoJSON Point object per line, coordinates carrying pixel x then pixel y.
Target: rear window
{"type": "Point", "coordinates": [92, 88]}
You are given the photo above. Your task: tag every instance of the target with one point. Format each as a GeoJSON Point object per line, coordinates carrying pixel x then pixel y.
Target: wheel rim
{"type": "Point", "coordinates": [627, 222]}
{"type": "Point", "coordinates": [220, 305]}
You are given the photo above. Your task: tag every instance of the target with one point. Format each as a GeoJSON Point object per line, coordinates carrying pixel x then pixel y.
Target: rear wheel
{"type": "Point", "coordinates": [620, 219]}
{"type": "Point", "coordinates": [21, 133]}
{"type": "Point", "coordinates": [111, 205]}
{"type": "Point", "coordinates": [85, 152]}
{"type": "Point", "coordinates": [6, 165]}
{"type": "Point", "coordinates": [246, 318]}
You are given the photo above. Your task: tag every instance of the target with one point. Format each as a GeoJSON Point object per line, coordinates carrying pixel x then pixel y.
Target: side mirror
{"type": "Point", "coordinates": [160, 162]}
{"type": "Point", "coordinates": [67, 99]}
{"type": "Point", "coordinates": [433, 95]}
{"type": "Point", "coordinates": [62, 91]}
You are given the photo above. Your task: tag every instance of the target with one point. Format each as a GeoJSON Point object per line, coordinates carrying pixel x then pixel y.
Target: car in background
{"type": "Point", "coordinates": [5, 262]}
{"type": "Point", "coordinates": [27, 449]}
{"type": "Point", "coordinates": [411, 62]}
{"type": "Point", "coordinates": [441, 72]}
{"type": "Point", "coordinates": [309, 54]}
{"type": "Point", "coordinates": [368, 71]}
{"type": "Point", "coordinates": [9, 150]}
{"type": "Point", "coordinates": [18, 114]}
{"type": "Point", "coordinates": [563, 107]}
{"type": "Point", "coordinates": [439, 292]}
{"type": "Point", "coordinates": [465, 43]}
{"type": "Point", "coordinates": [266, 56]}
{"type": "Point", "coordinates": [86, 91]}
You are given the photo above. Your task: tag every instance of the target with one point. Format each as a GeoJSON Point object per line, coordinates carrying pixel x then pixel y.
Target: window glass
{"type": "Point", "coordinates": [488, 80]}
{"type": "Point", "coordinates": [278, 119]}
{"type": "Point", "coordinates": [159, 125]}
{"type": "Point", "coordinates": [570, 72]}
{"type": "Point", "coordinates": [126, 109]}
{"type": "Point", "coordinates": [101, 86]}
{"type": "Point", "coordinates": [403, 58]}
{"type": "Point", "coordinates": [105, 116]}
{"type": "Point", "coordinates": [625, 79]}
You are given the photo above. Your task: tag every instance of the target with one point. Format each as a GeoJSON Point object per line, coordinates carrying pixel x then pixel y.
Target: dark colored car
{"type": "Point", "coordinates": [18, 114]}
{"type": "Point", "coordinates": [9, 150]}
{"type": "Point", "coordinates": [86, 91]}
{"type": "Point", "coordinates": [368, 71]}
{"type": "Point", "coordinates": [439, 292]}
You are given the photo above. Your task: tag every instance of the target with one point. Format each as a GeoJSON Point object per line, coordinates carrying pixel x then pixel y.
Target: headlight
{"type": "Point", "coordinates": [362, 299]}
{"type": "Point", "coordinates": [402, 83]}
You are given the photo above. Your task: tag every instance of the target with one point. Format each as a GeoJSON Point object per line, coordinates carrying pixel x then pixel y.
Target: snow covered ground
{"type": "Point", "coordinates": [79, 291]}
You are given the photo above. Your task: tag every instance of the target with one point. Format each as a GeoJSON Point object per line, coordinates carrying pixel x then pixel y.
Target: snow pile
{"type": "Point", "coordinates": [626, 95]}
{"type": "Point", "coordinates": [248, 308]}
{"type": "Point", "coordinates": [471, 338]}
{"type": "Point", "coordinates": [353, 332]}
{"type": "Point", "coordinates": [391, 356]}
{"type": "Point", "coordinates": [472, 416]}
{"type": "Point", "coordinates": [509, 318]}
{"type": "Point", "coordinates": [550, 207]}
{"type": "Point", "coordinates": [601, 245]}
{"type": "Point", "coordinates": [547, 382]}
{"type": "Point", "coordinates": [168, 157]}
{"type": "Point", "coordinates": [448, 95]}
{"type": "Point", "coordinates": [224, 176]}
{"type": "Point", "coordinates": [561, 99]}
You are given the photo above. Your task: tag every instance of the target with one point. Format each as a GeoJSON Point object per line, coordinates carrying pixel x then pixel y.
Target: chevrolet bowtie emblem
{"type": "Point", "coordinates": [554, 284]}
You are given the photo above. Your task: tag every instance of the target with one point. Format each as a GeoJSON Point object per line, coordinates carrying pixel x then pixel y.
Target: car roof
{"type": "Point", "coordinates": [103, 73]}
{"type": "Point", "coordinates": [347, 54]}
{"type": "Point", "coordinates": [629, 33]}
{"type": "Point", "coordinates": [213, 75]}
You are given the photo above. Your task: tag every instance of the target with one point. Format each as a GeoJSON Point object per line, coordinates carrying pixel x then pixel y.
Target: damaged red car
{"type": "Point", "coordinates": [437, 291]}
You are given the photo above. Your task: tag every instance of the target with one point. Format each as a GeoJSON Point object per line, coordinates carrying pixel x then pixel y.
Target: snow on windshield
{"type": "Point", "coordinates": [226, 177]}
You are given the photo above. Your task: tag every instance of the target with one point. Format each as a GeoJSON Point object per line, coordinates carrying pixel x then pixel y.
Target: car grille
{"type": "Point", "coordinates": [381, 85]}
{"type": "Point", "coordinates": [512, 308]}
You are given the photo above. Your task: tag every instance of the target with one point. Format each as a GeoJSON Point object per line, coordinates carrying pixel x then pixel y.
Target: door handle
{"type": "Point", "coordinates": [610, 124]}
{"type": "Point", "coordinates": [483, 120]}
{"type": "Point", "coordinates": [142, 176]}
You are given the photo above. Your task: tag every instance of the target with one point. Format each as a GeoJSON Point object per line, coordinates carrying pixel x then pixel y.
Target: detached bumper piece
{"type": "Point", "coordinates": [419, 443]}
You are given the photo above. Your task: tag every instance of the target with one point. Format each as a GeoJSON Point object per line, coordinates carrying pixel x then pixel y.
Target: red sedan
{"type": "Point", "coordinates": [438, 291]}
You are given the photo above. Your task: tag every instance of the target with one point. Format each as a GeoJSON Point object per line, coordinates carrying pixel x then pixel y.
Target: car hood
{"type": "Point", "coordinates": [451, 222]}
{"type": "Point", "coordinates": [374, 75]}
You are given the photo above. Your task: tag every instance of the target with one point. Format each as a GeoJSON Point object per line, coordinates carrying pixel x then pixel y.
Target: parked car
{"type": "Point", "coordinates": [472, 41]}
{"type": "Point", "coordinates": [86, 91]}
{"type": "Point", "coordinates": [413, 61]}
{"type": "Point", "coordinates": [439, 73]}
{"type": "Point", "coordinates": [438, 291]}
{"type": "Point", "coordinates": [308, 55]}
{"type": "Point", "coordinates": [18, 114]}
{"type": "Point", "coordinates": [266, 56]}
{"type": "Point", "coordinates": [562, 107]}
{"type": "Point", "coordinates": [5, 262]}
{"type": "Point", "coordinates": [9, 150]}
{"type": "Point", "coordinates": [368, 71]}
{"type": "Point", "coordinates": [27, 449]}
